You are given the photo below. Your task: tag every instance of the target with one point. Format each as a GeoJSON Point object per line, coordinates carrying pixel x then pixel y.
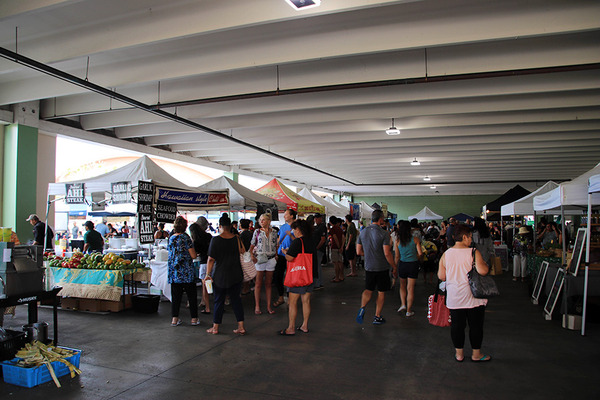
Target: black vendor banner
{"type": "Point", "coordinates": [266, 208]}
{"type": "Point", "coordinates": [121, 192]}
{"type": "Point", "coordinates": [75, 193]}
{"type": "Point", "coordinates": [166, 211]}
{"type": "Point", "coordinates": [145, 214]}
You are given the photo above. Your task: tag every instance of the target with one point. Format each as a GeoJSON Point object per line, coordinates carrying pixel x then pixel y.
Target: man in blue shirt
{"type": "Point", "coordinates": [102, 228]}
{"type": "Point", "coordinates": [285, 239]}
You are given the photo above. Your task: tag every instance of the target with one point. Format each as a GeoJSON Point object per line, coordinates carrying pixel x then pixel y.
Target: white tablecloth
{"type": "Point", "coordinates": [160, 277]}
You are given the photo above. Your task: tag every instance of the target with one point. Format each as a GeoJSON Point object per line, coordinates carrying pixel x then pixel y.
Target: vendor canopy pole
{"type": "Point", "coordinates": [588, 229]}
{"type": "Point", "coordinates": [562, 223]}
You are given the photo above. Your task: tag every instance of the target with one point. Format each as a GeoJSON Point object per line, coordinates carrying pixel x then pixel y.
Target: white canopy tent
{"type": "Point", "coordinates": [142, 169]}
{"type": "Point", "coordinates": [330, 208]}
{"type": "Point", "coordinates": [524, 206]}
{"type": "Point", "coordinates": [344, 210]}
{"type": "Point", "coordinates": [573, 193]}
{"type": "Point", "coordinates": [366, 210]}
{"type": "Point", "coordinates": [240, 197]}
{"type": "Point", "coordinates": [426, 214]}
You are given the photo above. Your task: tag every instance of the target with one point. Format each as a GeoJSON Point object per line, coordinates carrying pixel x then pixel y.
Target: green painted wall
{"type": "Point", "coordinates": [19, 177]}
{"type": "Point", "coordinates": [446, 206]}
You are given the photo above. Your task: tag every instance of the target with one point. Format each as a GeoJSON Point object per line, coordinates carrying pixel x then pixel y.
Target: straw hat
{"type": "Point", "coordinates": [523, 231]}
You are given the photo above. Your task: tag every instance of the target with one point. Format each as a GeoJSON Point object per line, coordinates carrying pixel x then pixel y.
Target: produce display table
{"type": "Point", "coordinates": [160, 277]}
{"type": "Point", "coordinates": [31, 299]}
{"type": "Point", "coordinates": [91, 283]}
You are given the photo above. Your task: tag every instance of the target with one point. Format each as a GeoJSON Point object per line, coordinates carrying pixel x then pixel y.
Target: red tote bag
{"type": "Point", "coordinates": [437, 312]}
{"type": "Point", "coordinates": [300, 270]}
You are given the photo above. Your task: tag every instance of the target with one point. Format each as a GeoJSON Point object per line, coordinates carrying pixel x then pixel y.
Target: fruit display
{"type": "Point", "coordinates": [94, 261]}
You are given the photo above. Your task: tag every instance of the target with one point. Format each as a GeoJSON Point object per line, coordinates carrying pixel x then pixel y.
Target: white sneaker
{"type": "Point", "coordinates": [410, 313]}
{"type": "Point", "coordinates": [401, 309]}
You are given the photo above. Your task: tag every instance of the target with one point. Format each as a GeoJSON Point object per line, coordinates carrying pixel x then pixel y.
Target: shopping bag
{"type": "Point", "coordinates": [437, 312]}
{"type": "Point", "coordinates": [300, 270]}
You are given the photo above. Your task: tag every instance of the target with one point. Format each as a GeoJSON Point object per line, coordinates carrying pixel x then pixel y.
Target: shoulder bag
{"type": "Point", "coordinates": [482, 287]}
{"type": "Point", "coordinates": [300, 270]}
{"type": "Point", "coordinates": [247, 265]}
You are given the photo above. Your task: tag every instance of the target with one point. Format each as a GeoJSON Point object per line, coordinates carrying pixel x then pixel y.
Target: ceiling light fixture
{"type": "Point", "coordinates": [303, 4]}
{"type": "Point", "coordinates": [432, 187]}
{"type": "Point", "coordinates": [427, 178]}
{"type": "Point", "coordinates": [415, 162]}
{"type": "Point", "coordinates": [392, 130]}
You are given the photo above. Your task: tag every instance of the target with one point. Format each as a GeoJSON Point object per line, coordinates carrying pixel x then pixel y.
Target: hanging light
{"type": "Point", "coordinates": [415, 162]}
{"type": "Point", "coordinates": [427, 178]}
{"type": "Point", "coordinates": [392, 130]}
{"type": "Point", "coordinates": [303, 4]}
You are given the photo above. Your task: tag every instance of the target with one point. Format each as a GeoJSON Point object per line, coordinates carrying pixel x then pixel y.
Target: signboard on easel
{"type": "Point", "coordinates": [557, 286]}
{"type": "Point", "coordinates": [145, 212]}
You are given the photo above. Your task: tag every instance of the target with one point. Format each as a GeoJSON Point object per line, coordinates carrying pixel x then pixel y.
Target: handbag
{"type": "Point", "coordinates": [300, 270]}
{"type": "Point", "coordinates": [437, 312]}
{"type": "Point", "coordinates": [247, 265]}
{"type": "Point", "coordinates": [482, 287]}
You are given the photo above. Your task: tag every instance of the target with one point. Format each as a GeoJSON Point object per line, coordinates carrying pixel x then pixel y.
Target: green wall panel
{"type": "Point", "coordinates": [446, 206]}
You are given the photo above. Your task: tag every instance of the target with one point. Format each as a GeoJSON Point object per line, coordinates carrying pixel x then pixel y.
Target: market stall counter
{"type": "Point", "coordinates": [89, 284]}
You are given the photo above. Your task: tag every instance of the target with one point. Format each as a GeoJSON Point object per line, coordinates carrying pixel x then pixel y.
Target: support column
{"type": "Point", "coordinates": [19, 178]}
{"type": "Point", "coordinates": [234, 176]}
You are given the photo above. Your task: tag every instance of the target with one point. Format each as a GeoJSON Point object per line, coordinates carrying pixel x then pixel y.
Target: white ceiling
{"type": "Point", "coordinates": [487, 93]}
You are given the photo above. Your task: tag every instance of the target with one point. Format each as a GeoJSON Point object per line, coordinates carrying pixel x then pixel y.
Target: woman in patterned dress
{"type": "Point", "coordinates": [181, 273]}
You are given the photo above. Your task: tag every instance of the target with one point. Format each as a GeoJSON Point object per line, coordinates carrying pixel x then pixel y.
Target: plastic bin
{"type": "Point", "coordinates": [145, 303]}
{"type": "Point", "coordinates": [10, 346]}
{"type": "Point", "coordinates": [30, 377]}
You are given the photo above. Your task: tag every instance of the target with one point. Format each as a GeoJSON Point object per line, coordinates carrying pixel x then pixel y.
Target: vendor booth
{"type": "Point", "coordinates": [461, 217]}
{"type": "Point", "coordinates": [278, 191]}
{"type": "Point", "coordinates": [240, 197]}
{"type": "Point", "coordinates": [574, 195]}
{"type": "Point", "coordinates": [144, 187]}
{"type": "Point", "coordinates": [426, 214]}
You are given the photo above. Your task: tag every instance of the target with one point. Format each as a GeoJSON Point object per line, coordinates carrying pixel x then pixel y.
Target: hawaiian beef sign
{"type": "Point", "coordinates": [193, 198]}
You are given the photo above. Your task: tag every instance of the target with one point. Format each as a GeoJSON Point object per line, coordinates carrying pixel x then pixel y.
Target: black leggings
{"type": "Point", "coordinates": [176, 294]}
{"type": "Point", "coordinates": [279, 274]}
{"type": "Point", "coordinates": [459, 319]}
{"type": "Point", "coordinates": [236, 302]}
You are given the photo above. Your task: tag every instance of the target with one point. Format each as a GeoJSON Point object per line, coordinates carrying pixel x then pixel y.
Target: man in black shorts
{"type": "Point", "coordinates": [374, 244]}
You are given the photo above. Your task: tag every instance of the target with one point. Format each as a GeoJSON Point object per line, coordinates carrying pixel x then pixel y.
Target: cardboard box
{"type": "Point", "coordinates": [69, 303]}
{"type": "Point", "coordinates": [95, 305]}
{"type": "Point", "coordinates": [496, 265]}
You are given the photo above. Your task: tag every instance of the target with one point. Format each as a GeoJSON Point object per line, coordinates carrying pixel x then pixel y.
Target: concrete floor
{"type": "Point", "coordinates": [139, 356]}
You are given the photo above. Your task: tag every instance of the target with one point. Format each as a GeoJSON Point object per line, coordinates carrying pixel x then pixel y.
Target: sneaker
{"type": "Point", "coordinates": [378, 320]}
{"type": "Point", "coordinates": [410, 313]}
{"type": "Point", "coordinates": [360, 316]}
{"type": "Point", "coordinates": [403, 308]}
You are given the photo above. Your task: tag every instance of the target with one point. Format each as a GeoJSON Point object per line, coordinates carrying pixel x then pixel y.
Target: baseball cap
{"type": "Point", "coordinates": [319, 215]}
{"type": "Point", "coordinates": [32, 216]}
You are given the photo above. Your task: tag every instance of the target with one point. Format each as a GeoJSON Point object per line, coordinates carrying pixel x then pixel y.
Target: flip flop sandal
{"type": "Point", "coordinates": [284, 333]}
{"type": "Point", "coordinates": [300, 329]}
{"type": "Point", "coordinates": [483, 359]}
{"type": "Point", "coordinates": [176, 323]}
